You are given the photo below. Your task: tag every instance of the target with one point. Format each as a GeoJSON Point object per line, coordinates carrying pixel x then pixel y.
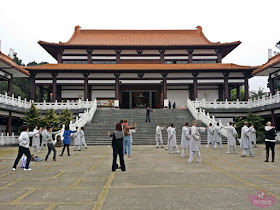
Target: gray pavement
{"type": "Point", "coordinates": [154, 180]}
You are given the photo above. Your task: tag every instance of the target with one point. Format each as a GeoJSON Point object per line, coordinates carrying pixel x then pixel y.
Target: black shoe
{"type": "Point", "coordinates": [123, 170]}
{"type": "Point", "coordinates": [61, 155]}
{"type": "Point", "coordinates": [69, 155]}
{"type": "Point", "coordinates": [54, 159]}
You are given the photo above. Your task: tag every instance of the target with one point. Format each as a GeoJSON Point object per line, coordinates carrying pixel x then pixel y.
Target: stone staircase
{"type": "Point", "coordinates": [105, 119]}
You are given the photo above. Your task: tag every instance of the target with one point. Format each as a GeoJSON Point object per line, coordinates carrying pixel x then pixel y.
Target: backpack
{"type": "Point", "coordinates": [37, 159]}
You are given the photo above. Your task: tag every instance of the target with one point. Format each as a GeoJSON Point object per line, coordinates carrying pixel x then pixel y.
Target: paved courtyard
{"type": "Point", "coordinates": [154, 180]}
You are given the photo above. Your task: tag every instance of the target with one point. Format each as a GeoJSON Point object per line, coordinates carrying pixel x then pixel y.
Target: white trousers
{"type": "Point", "coordinates": [192, 156]}
{"type": "Point", "coordinates": [171, 149]}
{"type": "Point", "coordinates": [184, 152]}
{"type": "Point", "coordinates": [216, 145]}
{"type": "Point", "coordinates": [84, 144]}
{"type": "Point", "coordinates": [79, 147]}
{"type": "Point", "coordinates": [159, 142]}
{"type": "Point", "coordinates": [33, 148]}
{"type": "Point", "coordinates": [228, 146]}
{"type": "Point", "coordinates": [246, 150]}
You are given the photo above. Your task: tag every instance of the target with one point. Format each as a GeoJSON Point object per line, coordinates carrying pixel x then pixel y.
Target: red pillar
{"type": "Point", "coordinates": [273, 119]}
{"type": "Point", "coordinates": [190, 55]}
{"type": "Point", "coordinates": [10, 86]}
{"type": "Point", "coordinates": [118, 56]}
{"type": "Point", "coordinates": [238, 92]}
{"type": "Point", "coordinates": [117, 86]}
{"type": "Point", "coordinates": [54, 87]}
{"type": "Point", "coordinates": [271, 86]}
{"type": "Point", "coordinates": [89, 59]}
{"type": "Point", "coordinates": [221, 93]}
{"type": "Point", "coordinates": [161, 56]}
{"type": "Point", "coordinates": [9, 123]}
{"type": "Point", "coordinates": [59, 55]}
{"type": "Point", "coordinates": [86, 86]}
{"type": "Point", "coordinates": [32, 86]}
{"type": "Point", "coordinates": [226, 89]}
{"type": "Point", "coordinates": [246, 88]}
{"type": "Point", "coordinates": [195, 85]}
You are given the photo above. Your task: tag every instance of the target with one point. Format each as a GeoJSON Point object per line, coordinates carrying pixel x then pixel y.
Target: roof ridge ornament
{"type": "Point", "coordinates": [77, 28]}
{"type": "Point", "coordinates": [199, 28]}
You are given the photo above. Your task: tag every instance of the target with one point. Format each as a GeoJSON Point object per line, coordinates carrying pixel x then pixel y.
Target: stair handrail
{"type": "Point", "coordinates": [201, 115]}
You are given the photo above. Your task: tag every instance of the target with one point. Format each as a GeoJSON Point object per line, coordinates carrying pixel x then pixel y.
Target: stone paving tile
{"type": "Point", "coordinates": [93, 182]}
{"type": "Point", "coordinates": [74, 207]}
{"type": "Point", "coordinates": [43, 183]}
{"type": "Point", "coordinates": [68, 195]}
{"type": "Point", "coordinates": [7, 195]}
{"type": "Point", "coordinates": [23, 207]}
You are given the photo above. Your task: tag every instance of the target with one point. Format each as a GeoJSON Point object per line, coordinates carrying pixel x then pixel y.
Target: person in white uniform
{"type": "Point", "coordinates": [245, 142]}
{"type": "Point", "coordinates": [195, 142]}
{"type": "Point", "coordinates": [185, 139]}
{"type": "Point", "coordinates": [77, 139]}
{"type": "Point", "coordinates": [36, 140]}
{"type": "Point", "coordinates": [44, 140]}
{"type": "Point", "coordinates": [253, 136]}
{"type": "Point", "coordinates": [172, 139]}
{"type": "Point", "coordinates": [82, 138]}
{"type": "Point", "coordinates": [217, 137]}
{"type": "Point", "coordinates": [231, 138]}
{"type": "Point", "coordinates": [159, 136]}
{"type": "Point", "coordinates": [210, 135]}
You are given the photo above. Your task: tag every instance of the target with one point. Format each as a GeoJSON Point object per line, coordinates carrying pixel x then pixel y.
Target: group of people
{"type": "Point", "coordinates": [47, 140]}
{"type": "Point", "coordinates": [174, 105]}
{"type": "Point", "coordinates": [122, 143]}
{"type": "Point", "coordinates": [191, 141]}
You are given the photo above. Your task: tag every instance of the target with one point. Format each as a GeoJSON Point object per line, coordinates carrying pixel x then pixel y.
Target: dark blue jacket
{"type": "Point", "coordinates": [67, 136]}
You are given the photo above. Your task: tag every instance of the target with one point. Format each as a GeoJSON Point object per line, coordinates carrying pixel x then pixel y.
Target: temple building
{"type": "Point", "coordinates": [139, 68]}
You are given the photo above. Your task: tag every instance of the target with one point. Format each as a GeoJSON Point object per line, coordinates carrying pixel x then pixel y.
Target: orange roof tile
{"type": "Point", "coordinates": [9, 61]}
{"type": "Point", "coordinates": [138, 38]}
{"type": "Point", "coordinates": [270, 63]}
{"type": "Point", "coordinates": [140, 67]}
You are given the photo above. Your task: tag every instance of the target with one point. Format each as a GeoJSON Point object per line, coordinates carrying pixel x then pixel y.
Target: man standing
{"type": "Point", "coordinates": [217, 136]}
{"type": "Point", "coordinates": [185, 139]}
{"type": "Point", "coordinates": [195, 142]}
{"type": "Point", "coordinates": [253, 137]}
{"type": "Point", "coordinates": [210, 135]}
{"type": "Point", "coordinates": [245, 143]}
{"type": "Point", "coordinates": [172, 139]}
{"type": "Point", "coordinates": [159, 136]}
{"type": "Point", "coordinates": [148, 114]}
{"type": "Point", "coordinates": [231, 138]}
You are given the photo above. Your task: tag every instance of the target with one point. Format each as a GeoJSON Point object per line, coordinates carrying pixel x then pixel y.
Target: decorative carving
{"type": "Point", "coordinates": [195, 74]}
{"type": "Point", "coordinates": [218, 50]}
{"type": "Point", "coordinates": [89, 51]}
{"type": "Point", "coordinates": [161, 51]}
{"type": "Point", "coordinates": [225, 74]}
{"type": "Point", "coordinates": [117, 75]}
{"type": "Point", "coordinates": [118, 51]}
{"type": "Point", "coordinates": [54, 74]}
{"type": "Point", "coordinates": [190, 51]}
{"type": "Point", "coordinates": [86, 74]}
{"type": "Point", "coordinates": [59, 50]}
{"type": "Point", "coordinates": [246, 74]}
{"type": "Point", "coordinates": [139, 51]}
{"type": "Point", "coordinates": [141, 74]}
{"type": "Point", "coordinates": [164, 74]}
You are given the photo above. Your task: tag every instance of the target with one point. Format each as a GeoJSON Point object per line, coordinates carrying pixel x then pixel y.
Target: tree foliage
{"type": "Point", "coordinates": [65, 117]}
{"type": "Point", "coordinates": [51, 119]}
{"type": "Point", "coordinates": [234, 94]}
{"type": "Point", "coordinates": [256, 120]}
{"type": "Point", "coordinates": [32, 118]}
{"type": "Point", "coordinates": [257, 94]}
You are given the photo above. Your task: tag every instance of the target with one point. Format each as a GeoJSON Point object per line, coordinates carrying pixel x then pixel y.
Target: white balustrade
{"type": "Point", "coordinates": [8, 140]}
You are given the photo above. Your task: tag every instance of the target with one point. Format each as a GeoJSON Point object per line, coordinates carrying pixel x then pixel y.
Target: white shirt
{"type": "Point", "coordinates": [24, 138]}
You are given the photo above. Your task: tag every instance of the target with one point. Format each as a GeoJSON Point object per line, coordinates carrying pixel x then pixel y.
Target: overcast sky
{"type": "Point", "coordinates": [254, 23]}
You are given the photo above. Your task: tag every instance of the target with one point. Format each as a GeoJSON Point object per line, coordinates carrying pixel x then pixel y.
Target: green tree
{"type": "Point", "coordinates": [256, 120]}
{"type": "Point", "coordinates": [234, 94]}
{"type": "Point", "coordinates": [65, 117]}
{"type": "Point", "coordinates": [256, 94]}
{"type": "Point", "coordinates": [51, 119]}
{"type": "Point", "coordinates": [34, 63]}
{"type": "Point", "coordinates": [32, 118]}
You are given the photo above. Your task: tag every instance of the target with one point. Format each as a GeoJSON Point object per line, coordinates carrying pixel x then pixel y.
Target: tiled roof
{"type": "Point", "coordinates": [270, 63]}
{"type": "Point", "coordinates": [9, 61]}
{"type": "Point", "coordinates": [139, 67]}
{"type": "Point", "coordinates": [138, 38]}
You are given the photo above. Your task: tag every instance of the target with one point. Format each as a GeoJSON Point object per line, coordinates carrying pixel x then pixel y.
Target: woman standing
{"type": "Point", "coordinates": [48, 135]}
{"type": "Point", "coordinates": [66, 140]}
{"type": "Point", "coordinates": [270, 134]}
{"type": "Point", "coordinates": [117, 144]}
{"type": "Point", "coordinates": [36, 140]}
{"type": "Point", "coordinates": [82, 138]}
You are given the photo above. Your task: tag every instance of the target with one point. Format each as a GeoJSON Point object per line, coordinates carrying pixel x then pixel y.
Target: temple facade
{"type": "Point", "coordinates": [139, 68]}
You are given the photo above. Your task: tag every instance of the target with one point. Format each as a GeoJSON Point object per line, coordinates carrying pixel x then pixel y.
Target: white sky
{"type": "Point", "coordinates": [255, 23]}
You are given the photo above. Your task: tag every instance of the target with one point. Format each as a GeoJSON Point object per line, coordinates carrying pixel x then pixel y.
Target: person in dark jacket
{"type": "Point", "coordinates": [169, 104]}
{"type": "Point", "coordinates": [148, 110]}
{"type": "Point", "coordinates": [66, 140]}
{"type": "Point", "coordinates": [174, 105]}
{"type": "Point", "coordinates": [270, 134]}
{"type": "Point", "coordinates": [117, 144]}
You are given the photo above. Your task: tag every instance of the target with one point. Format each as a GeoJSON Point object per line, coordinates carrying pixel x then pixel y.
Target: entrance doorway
{"type": "Point", "coordinates": [140, 99]}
